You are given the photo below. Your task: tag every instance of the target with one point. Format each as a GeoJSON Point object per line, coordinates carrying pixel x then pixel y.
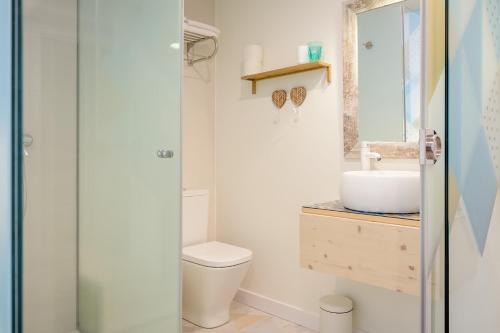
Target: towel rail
{"type": "Point", "coordinates": [191, 39]}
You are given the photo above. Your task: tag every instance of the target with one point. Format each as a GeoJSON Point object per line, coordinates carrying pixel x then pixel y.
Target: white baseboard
{"type": "Point", "coordinates": [278, 309]}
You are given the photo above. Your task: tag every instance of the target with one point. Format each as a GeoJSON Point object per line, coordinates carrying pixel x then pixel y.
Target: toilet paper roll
{"type": "Point", "coordinates": [252, 59]}
{"type": "Point", "coordinates": [252, 67]}
{"type": "Point", "coordinates": [302, 54]}
{"type": "Point", "coordinates": [253, 53]}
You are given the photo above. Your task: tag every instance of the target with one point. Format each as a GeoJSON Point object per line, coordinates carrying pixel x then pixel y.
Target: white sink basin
{"type": "Point", "coordinates": [396, 192]}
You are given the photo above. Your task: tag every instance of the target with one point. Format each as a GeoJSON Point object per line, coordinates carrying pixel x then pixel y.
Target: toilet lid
{"type": "Point", "coordinates": [216, 254]}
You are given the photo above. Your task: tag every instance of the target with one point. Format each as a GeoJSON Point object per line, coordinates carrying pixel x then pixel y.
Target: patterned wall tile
{"type": "Point", "coordinates": [435, 42]}
{"type": "Point", "coordinates": [480, 190]}
{"type": "Point", "coordinates": [475, 162]}
{"type": "Point", "coordinates": [465, 117]}
{"type": "Point", "coordinates": [493, 13]}
{"type": "Point", "coordinates": [453, 194]}
{"type": "Point", "coordinates": [474, 116]}
{"type": "Point", "coordinates": [491, 123]}
{"type": "Point", "coordinates": [459, 15]}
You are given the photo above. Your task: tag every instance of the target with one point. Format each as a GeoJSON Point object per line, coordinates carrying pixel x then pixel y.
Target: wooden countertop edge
{"type": "Point", "coordinates": [362, 217]}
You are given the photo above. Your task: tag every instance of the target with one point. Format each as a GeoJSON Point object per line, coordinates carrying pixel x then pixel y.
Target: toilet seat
{"type": "Point", "coordinates": [216, 254]}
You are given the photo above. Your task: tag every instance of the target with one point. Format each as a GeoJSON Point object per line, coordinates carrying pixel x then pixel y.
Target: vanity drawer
{"type": "Point", "coordinates": [379, 254]}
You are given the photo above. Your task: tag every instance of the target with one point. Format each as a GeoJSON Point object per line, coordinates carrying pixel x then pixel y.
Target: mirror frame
{"type": "Point", "coordinates": [396, 150]}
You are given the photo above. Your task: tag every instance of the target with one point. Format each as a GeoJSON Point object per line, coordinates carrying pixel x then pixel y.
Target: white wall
{"type": "Point", "coordinates": [266, 169]}
{"type": "Point", "coordinates": [198, 113]}
{"type": "Point", "coordinates": [50, 117]}
{"type": "Point", "coordinates": [200, 10]}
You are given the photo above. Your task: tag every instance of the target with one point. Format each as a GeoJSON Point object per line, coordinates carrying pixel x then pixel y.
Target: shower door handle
{"type": "Point", "coordinates": [164, 153]}
{"type": "Point", "coordinates": [431, 147]}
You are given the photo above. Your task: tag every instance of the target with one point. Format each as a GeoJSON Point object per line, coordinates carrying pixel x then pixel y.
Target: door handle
{"type": "Point", "coordinates": [431, 147]}
{"type": "Point", "coordinates": [164, 153]}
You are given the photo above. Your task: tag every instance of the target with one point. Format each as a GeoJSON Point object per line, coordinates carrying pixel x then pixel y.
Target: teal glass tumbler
{"type": "Point", "coordinates": [315, 50]}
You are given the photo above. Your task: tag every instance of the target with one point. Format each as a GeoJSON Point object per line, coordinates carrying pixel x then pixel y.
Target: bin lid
{"type": "Point", "coordinates": [335, 304]}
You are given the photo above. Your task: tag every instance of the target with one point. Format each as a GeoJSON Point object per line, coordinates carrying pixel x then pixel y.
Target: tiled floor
{"type": "Point", "coordinates": [248, 320]}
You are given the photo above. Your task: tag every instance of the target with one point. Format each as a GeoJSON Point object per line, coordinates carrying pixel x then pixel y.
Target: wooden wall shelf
{"type": "Point", "coordinates": [310, 66]}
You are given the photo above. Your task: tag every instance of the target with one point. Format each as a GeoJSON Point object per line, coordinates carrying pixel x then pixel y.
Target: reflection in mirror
{"type": "Point", "coordinates": [382, 75]}
{"type": "Point", "coordinates": [388, 73]}
{"type": "Point", "coordinates": [412, 60]}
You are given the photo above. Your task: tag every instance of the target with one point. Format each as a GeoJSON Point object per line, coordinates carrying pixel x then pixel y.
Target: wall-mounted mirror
{"type": "Point", "coordinates": [382, 48]}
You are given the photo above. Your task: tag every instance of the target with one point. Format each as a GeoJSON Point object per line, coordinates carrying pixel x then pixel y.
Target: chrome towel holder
{"type": "Point", "coordinates": [191, 39]}
{"type": "Point", "coordinates": [195, 33]}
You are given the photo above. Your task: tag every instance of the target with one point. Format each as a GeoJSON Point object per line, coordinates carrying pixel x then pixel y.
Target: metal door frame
{"type": "Point", "coordinates": [425, 319]}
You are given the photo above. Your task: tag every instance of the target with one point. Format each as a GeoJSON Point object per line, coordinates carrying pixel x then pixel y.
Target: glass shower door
{"type": "Point", "coordinates": [433, 167]}
{"type": "Point", "coordinates": [129, 193]}
{"type": "Point", "coordinates": [6, 258]}
{"type": "Point", "coordinates": [10, 166]}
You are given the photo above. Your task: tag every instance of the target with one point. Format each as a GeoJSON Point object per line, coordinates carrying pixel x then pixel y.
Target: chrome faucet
{"type": "Point", "coordinates": [367, 156]}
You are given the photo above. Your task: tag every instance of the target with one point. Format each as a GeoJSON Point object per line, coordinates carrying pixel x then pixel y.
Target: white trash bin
{"type": "Point", "coordinates": [335, 314]}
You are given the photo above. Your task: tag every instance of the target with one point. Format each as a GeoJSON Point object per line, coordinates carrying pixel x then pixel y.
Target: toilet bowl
{"type": "Point", "coordinates": [212, 274]}
{"type": "Point", "coordinates": [212, 271]}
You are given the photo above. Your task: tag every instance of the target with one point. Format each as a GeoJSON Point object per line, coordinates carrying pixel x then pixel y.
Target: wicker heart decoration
{"type": "Point", "coordinates": [279, 98]}
{"type": "Point", "coordinates": [298, 95]}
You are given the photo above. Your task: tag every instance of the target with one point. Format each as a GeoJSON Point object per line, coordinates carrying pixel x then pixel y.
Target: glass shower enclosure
{"type": "Point", "coordinates": [101, 166]}
{"type": "Point", "coordinates": [6, 104]}
{"type": "Point", "coordinates": [129, 166]}
{"type": "Point", "coordinates": [433, 171]}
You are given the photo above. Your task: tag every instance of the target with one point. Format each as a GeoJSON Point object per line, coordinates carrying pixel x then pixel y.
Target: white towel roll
{"type": "Point", "coordinates": [251, 67]}
{"type": "Point", "coordinates": [302, 54]}
{"type": "Point", "coordinates": [253, 53]}
{"type": "Point", "coordinates": [252, 59]}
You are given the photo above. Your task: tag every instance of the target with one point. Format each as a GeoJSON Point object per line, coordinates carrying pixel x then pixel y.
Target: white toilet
{"type": "Point", "coordinates": [212, 271]}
